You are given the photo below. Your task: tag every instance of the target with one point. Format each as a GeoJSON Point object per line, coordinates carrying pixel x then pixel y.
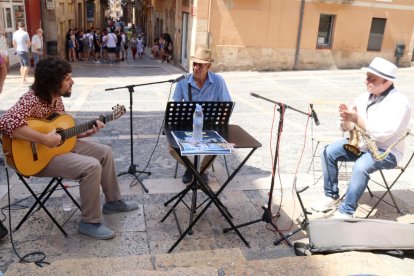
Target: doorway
{"type": "Point", "coordinates": [184, 43]}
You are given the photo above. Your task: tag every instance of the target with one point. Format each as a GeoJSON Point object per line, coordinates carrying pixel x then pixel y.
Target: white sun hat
{"type": "Point", "coordinates": [382, 68]}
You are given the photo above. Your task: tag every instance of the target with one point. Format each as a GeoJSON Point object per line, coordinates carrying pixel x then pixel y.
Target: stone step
{"type": "Point", "coordinates": [225, 262]}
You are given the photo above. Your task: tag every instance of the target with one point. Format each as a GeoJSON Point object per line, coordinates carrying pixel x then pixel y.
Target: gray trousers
{"type": "Point", "coordinates": [93, 165]}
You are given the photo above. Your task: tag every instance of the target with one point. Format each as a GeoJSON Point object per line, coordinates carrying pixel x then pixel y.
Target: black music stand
{"type": "Point", "coordinates": [132, 169]}
{"type": "Point", "coordinates": [179, 115]}
{"type": "Point", "coordinates": [267, 209]}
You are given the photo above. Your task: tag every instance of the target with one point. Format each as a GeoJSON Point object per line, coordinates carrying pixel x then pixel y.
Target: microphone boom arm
{"type": "Point", "coordinates": [135, 85]}
{"type": "Point", "coordinates": [280, 104]}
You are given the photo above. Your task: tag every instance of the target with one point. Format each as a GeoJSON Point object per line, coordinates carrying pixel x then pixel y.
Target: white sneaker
{"type": "Point", "coordinates": [339, 215]}
{"type": "Point", "coordinates": [325, 204]}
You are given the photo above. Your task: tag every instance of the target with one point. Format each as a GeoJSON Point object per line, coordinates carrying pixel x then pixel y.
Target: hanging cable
{"type": "Point", "coordinates": [133, 183]}
{"type": "Point", "coordinates": [31, 257]}
{"type": "Point", "coordinates": [296, 172]}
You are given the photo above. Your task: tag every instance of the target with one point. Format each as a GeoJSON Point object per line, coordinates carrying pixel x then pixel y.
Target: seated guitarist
{"type": "Point", "coordinates": [90, 163]}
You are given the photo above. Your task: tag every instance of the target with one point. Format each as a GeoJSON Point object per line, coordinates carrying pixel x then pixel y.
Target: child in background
{"type": "Point", "coordinates": [155, 49]}
{"type": "Point", "coordinates": [140, 46]}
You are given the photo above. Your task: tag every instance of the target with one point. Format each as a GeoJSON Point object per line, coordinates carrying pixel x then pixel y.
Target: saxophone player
{"type": "Point", "coordinates": [382, 114]}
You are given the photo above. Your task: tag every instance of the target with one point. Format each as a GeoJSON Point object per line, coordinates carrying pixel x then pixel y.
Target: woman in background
{"type": "Point", "coordinates": [167, 49]}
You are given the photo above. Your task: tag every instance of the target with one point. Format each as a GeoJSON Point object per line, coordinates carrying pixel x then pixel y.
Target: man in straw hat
{"type": "Point", "coordinates": [201, 85]}
{"type": "Point", "coordinates": [384, 114]}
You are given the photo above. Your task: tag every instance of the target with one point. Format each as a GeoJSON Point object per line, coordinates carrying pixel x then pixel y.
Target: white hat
{"type": "Point", "coordinates": [382, 68]}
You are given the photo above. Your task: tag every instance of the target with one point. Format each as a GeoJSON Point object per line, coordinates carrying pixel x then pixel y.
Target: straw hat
{"type": "Point", "coordinates": [202, 55]}
{"type": "Point", "coordinates": [382, 68]}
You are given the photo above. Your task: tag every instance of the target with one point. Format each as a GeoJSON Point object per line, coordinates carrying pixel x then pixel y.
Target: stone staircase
{"type": "Point", "coordinates": [224, 262]}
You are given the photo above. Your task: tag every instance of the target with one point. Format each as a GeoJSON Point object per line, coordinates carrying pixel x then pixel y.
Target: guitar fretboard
{"type": "Point", "coordinates": [76, 130]}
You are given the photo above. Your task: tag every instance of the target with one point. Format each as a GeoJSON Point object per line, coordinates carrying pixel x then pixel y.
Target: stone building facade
{"type": "Point", "coordinates": [56, 17]}
{"type": "Point", "coordinates": [285, 34]}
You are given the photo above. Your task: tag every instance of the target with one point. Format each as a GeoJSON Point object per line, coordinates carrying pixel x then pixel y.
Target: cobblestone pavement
{"type": "Point", "coordinates": [141, 232]}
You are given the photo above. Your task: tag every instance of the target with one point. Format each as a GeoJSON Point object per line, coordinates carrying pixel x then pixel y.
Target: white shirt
{"type": "Point", "coordinates": [111, 40]}
{"type": "Point", "coordinates": [22, 40]}
{"type": "Point", "coordinates": [37, 43]}
{"type": "Point", "coordinates": [386, 121]}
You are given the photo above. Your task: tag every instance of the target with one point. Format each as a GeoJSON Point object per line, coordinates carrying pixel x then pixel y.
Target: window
{"type": "Point", "coordinates": [376, 34]}
{"type": "Point", "coordinates": [324, 39]}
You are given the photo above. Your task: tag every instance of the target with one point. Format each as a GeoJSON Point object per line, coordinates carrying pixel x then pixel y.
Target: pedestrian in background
{"type": "Point", "coordinates": [155, 49]}
{"type": "Point", "coordinates": [4, 48]}
{"type": "Point", "coordinates": [140, 46]}
{"type": "Point", "coordinates": [37, 46]}
{"type": "Point", "coordinates": [21, 45]}
{"type": "Point", "coordinates": [71, 46]}
{"type": "Point", "coordinates": [133, 46]}
{"type": "Point", "coordinates": [3, 73]}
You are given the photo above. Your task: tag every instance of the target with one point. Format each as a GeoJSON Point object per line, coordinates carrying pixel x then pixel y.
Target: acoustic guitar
{"type": "Point", "coordinates": [30, 158]}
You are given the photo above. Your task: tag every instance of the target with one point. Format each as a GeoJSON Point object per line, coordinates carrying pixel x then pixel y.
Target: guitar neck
{"type": "Point", "coordinates": [76, 130]}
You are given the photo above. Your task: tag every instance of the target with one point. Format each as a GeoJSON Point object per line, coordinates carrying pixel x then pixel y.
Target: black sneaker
{"type": "Point", "coordinates": [187, 177]}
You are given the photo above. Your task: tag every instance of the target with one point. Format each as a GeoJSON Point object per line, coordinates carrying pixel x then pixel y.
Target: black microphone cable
{"type": "Point", "coordinates": [133, 183]}
{"type": "Point", "coordinates": [30, 257]}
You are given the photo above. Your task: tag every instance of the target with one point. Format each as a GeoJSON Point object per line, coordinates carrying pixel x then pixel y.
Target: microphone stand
{"type": "Point", "coordinates": [267, 209]}
{"type": "Point", "coordinates": [132, 170]}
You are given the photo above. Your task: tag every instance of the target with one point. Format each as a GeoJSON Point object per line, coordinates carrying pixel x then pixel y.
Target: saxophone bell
{"type": "Point", "coordinates": [353, 145]}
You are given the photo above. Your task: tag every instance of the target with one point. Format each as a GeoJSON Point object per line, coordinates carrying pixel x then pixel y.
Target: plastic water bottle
{"type": "Point", "coordinates": [198, 118]}
{"type": "Point", "coordinates": [66, 201]}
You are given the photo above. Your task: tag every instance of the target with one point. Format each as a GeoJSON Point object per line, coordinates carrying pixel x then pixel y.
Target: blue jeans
{"type": "Point", "coordinates": [364, 165]}
{"type": "Point", "coordinates": [24, 58]}
{"type": "Point", "coordinates": [36, 58]}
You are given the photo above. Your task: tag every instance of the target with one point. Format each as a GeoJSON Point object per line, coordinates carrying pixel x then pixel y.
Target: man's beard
{"type": "Point", "coordinates": [67, 94]}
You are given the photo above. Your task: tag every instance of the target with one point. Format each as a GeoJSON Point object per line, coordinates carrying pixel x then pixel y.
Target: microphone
{"type": "Point", "coordinates": [180, 78]}
{"type": "Point", "coordinates": [314, 116]}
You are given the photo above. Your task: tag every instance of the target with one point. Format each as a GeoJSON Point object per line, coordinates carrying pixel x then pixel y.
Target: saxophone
{"type": "Point", "coordinates": [353, 147]}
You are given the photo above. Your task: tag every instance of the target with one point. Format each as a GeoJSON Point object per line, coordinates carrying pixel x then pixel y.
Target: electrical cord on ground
{"type": "Point", "coordinates": [31, 257]}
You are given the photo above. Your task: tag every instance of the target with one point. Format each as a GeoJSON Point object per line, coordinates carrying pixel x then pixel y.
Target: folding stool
{"type": "Point", "coordinates": [388, 186]}
{"type": "Point", "coordinates": [54, 183]}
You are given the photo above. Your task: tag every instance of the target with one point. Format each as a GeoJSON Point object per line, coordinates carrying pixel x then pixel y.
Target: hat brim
{"type": "Point", "coordinates": [378, 73]}
{"type": "Point", "coordinates": [201, 60]}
